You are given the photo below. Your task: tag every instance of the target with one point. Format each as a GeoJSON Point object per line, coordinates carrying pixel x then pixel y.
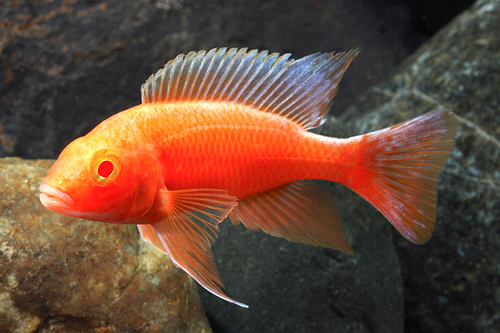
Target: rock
{"type": "Point", "coordinates": [67, 275]}
{"type": "Point", "coordinates": [67, 65]}
{"type": "Point", "coordinates": [300, 288]}
{"type": "Point", "coordinates": [451, 283]}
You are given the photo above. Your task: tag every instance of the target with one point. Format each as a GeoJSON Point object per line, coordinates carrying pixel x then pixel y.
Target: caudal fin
{"type": "Point", "coordinates": [398, 167]}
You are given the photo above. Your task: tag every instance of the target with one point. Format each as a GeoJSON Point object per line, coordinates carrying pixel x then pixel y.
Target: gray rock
{"type": "Point", "coordinates": [299, 288]}
{"type": "Point", "coordinates": [61, 274]}
{"type": "Point", "coordinates": [452, 283]}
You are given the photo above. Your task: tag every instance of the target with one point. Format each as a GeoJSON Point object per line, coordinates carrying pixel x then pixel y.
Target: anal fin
{"type": "Point", "coordinates": [301, 211]}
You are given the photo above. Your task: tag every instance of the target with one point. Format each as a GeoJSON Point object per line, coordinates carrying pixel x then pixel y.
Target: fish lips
{"type": "Point", "coordinates": [55, 200]}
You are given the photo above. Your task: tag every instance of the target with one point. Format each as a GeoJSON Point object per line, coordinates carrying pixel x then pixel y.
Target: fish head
{"type": "Point", "coordinates": [101, 181]}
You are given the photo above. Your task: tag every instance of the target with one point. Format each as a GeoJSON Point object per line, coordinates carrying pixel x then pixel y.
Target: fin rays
{"type": "Point", "coordinates": [302, 212]}
{"type": "Point", "coordinates": [399, 170]}
{"type": "Point", "coordinates": [301, 89]}
{"type": "Point", "coordinates": [188, 230]}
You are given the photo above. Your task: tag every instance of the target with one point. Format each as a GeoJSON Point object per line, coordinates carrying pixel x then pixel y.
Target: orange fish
{"type": "Point", "coordinates": [224, 133]}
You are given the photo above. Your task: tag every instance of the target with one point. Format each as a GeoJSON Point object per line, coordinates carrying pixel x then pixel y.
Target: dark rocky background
{"type": "Point", "coordinates": [452, 283]}
{"type": "Point", "coordinates": [66, 65]}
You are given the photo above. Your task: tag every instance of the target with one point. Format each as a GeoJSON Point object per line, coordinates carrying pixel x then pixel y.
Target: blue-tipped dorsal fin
{"type": "Point", "coordinates": [301, 90]}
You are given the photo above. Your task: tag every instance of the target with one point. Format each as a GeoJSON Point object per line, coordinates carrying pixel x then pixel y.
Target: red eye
{"type": "Point", "coordinates": [104, 166]}
{"type": "Point", "coordinates": [105, 169]}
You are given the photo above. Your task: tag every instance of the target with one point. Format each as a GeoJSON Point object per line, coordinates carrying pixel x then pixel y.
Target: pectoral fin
{"type": "Point", "coordinates": [187, 231]}
{"type": "Point", "coordinates": [148, 234]}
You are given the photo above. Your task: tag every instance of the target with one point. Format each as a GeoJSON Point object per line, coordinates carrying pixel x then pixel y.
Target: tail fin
{"type": "Point", "coordinates": [398, 167]}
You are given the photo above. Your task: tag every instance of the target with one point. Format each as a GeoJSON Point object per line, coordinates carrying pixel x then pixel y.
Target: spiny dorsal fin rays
{"type": "Point", "coordinates": [301, 90]}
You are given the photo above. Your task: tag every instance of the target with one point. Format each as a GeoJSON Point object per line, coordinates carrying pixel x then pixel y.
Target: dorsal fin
{"type": "Point", "coordinates": [301, 90]}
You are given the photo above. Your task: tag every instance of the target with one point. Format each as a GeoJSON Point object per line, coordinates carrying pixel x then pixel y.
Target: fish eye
{"type": "Point", "coordinates": [105, 169]}
{"type": "Point", "coordinates": [106, 166]}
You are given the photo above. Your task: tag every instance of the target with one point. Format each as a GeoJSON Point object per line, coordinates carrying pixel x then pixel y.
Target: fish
{"type": "Point", "coordinates": [225, 134]}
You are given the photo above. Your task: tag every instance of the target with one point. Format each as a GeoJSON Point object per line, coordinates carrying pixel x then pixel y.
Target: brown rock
{"type": "Point", "coordinates": [63, 274]}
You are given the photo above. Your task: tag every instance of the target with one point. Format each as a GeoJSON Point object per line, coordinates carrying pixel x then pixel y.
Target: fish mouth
{"type": "Point", "coordinates": [55, 200]}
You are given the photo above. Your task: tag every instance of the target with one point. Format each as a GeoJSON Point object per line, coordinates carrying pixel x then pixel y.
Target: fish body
{"type": "Point", "coordinates": [224, 134]}
{"type": "Point", "coordinates": [241, 150]}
